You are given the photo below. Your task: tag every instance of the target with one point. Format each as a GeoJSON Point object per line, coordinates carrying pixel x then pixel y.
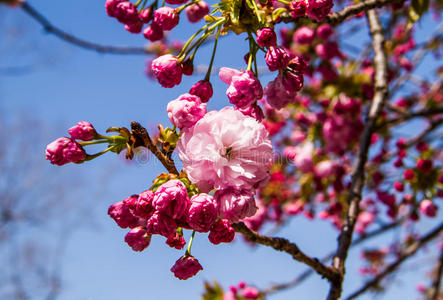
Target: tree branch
{"type": "Point", "coordinates": [352, 10]}
{"type": "Point", "coordinates": [142, 134]}
{"type": "Point", "coordinates": [48, 27]}
{"type": "Point", "coordinates": [426, 112]}
{"type": "Point", "coordinates": [338, 17]}
{"type": "Point", "coordinates": [410, 251]}
{"type": "Point", "coordinates": [358, 173]}
{"type": "Point", "coordinates": [284, 245]}
{"type": "Point", "coordinates": [436, 284]}
{"type": "Point", "coordinates": [304, 275]}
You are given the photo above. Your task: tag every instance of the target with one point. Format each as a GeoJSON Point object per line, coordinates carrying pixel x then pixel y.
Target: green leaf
{"type": "Point", "coordinates": [416, 10]}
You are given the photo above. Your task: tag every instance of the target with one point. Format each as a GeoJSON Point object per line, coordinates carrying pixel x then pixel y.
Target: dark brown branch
{"type": "Point", "coordinates": [281, 244]}
{"type": "Point", "coordinates": [142, 134]}
{"type": "Point", "coordinates": [48, 27]}
{"type": "Point", "coordinates": [436, 284]}
{"type": "Point", "coordinates": [338, 17]}
{"type": "Point", "coordinates": [308, 272]}
{"type": "Point", "coordinates": [426, 112]}
{"type": "Point", "coordinates": [352, 10]}
{"type": "Point", "coordinates": [410, 251]}
{"type": "Point", "coordinates": [358, 172]}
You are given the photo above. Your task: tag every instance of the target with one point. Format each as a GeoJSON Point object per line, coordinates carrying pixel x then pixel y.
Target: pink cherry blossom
{"type": "Point", "coordinates": [186, 110]}
{"type": "Point", "coordinates": [161, 224]}
{"type": "Point", "coordinates": [277, 58]}
{"type": "Point", "coordinates": [304, 35]}
{"type": "Point", "coordinates": [153, 33]}
{"type": "Point", "coordinates": [166, 18]}
{"type": "Point", "coordinates": [202, 212]}
{"type": "Point", "coordinates": [82, 131]}
{"type": "Point", "coordinates": [171, 199]}
{"type": "Point", "coordinates": [122, 215]}
{"type": "Point", "coordinates": [235, 205]}
{"type": "Point", "coordinates": [244, 88]}
{"type": "Point", "coordinates": [226, 148]}
{"type": "Point", "coordinates": [221, 232]}
{"type": "Point", "coordinates": [167, 70]}
{"type": "Point", "coordinates": [176, 241]}
{"type": "Point", "coordinates": [266, 37]}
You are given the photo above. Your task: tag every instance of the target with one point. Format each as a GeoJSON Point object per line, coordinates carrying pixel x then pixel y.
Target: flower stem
{"type": "Point", "coordinates": [256, 11]}
{"type": "Point", "coordinates": [180, 8]}
{"type": "Point", "coordinates": [91, 157]}
{"type": "Point", "coordinates": [188, 250]}
{"type": "Point", "coordinates": [93, 142]}
{"type": "Point", "coordinates": [208, 73]}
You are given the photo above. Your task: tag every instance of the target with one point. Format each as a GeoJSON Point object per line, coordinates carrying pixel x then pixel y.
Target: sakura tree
{"type": "Point", "coordinates": [348, 133]}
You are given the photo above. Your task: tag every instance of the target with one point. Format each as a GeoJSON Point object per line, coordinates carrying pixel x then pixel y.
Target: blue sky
{"type": "Point", "coordinates": [68, 84]}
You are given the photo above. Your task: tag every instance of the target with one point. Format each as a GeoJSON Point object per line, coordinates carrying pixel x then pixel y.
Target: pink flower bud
{"type": "Point", "coordinates": [202, 89]}
{"type": "Point", "coordinates": [171, 198]}
{"type": "Point", "coordinates": [144, 208]}
{"type": "Point", "coordinates": [250, 292]}
{"type": "Point", "coordinates": [221, 232]}
{"type": "Point", "coordinates": [122, 215]}
{"type": "Point", "coordinates": [186, 110]}
{"type": "Point", "coordinates": [126, 13]}
{"type": "Point", "coordinates": [277, 95]}
{"type": "Point", "coordinates": [138, 239]}
{"type": "Point", "coordinates": [409, 175]}
{"type": "Point", "coordinates": [64, 150]}
{"type": "Point", "coordinates": [166, 18]}
{"type": "Point", "coordinates": [292, 82]}
{"type": "Point", "coordinates": [188, 67]}
{"type": "Point", "coordinates": [186, 267]}
{"type": "Point", "coordinates": [176, 241]}
{"type": "Point", "coordinates": [325, 169]}
{"type": "Point", "coordinates": [111, 5]}
{"type": "Point", "coordinates": [428, 208]}
{"type": "Point", "coordinates": [328, 50]}
{"type": "Point", "coordinates": [254, 111]}
{"type": "Point", "coordinates": [235, 205]}
{"type": "Point", "coordinates": [134, 27]}
{"type": "Point", "coordinates": [153, 33]}
{"type": "Point", "coordinates": [266, 37]}
{"type": "Point", "coordinates": [399, 186]}
{"type": "Point", "coordinates": [202, 212]}
{"type": "Point", "coordinates": [424, 165]}
{"type": "Point", "coordinates": [277, 58]}
{"type": "Point", "coordinates": [244, 88]}
{"type": "Point", "coordinates": [304, 35]}
{"type": "Point", "coordinates": [324, 31]}
{"type": "Point", "coordinates": [82, 131]}
{"type": "Point", "coordinates": [146, 15]}
{"type": "Point", "coordinates": [319, 9]}
{"type": "Point", "coordinates": [161, 224]}
{"type": "Point", "coordinates": [195, 12]}
{"type": "Point", "coordinates": [298, 8]}
{"type": "Point", "coordinates": [175, 2]}
{"type": "Point", "coordinates": [167, 70]}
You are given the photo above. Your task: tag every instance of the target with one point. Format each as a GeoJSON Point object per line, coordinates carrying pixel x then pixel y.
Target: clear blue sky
{"type": "Point", "coordinates": [68, 84]}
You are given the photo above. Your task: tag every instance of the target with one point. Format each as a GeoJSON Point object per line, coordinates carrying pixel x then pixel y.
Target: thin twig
{"type": "Point", "coordinates": [308, 272]}
{"type": "Point", "coordinates": [284, 245]}
{"type": "Point", "coordinates": [410, 251]}
{"type": "Point", "coordinates": [358, 172]}
{"type": "Point", "coordinates": [436, 284]}
{"type": "Point", "coordinates": [142, 134]}
{"type": "Point", "coordinates": [48, 27]}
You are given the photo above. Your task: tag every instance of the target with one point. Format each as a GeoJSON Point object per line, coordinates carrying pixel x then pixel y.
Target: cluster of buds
{"type": "Point", "coordinates": [159, 19]}
{"type": "Point", "coordinates": [70, 149]}
{"type": "Point", "coordinates": [167, 209]}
